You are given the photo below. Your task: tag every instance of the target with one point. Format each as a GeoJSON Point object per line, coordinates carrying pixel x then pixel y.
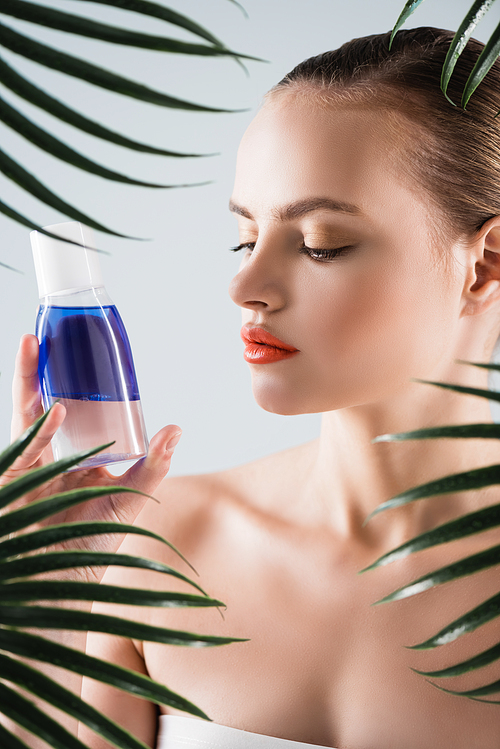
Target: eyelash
{"type": "Point", "coordinates": [309, 251]}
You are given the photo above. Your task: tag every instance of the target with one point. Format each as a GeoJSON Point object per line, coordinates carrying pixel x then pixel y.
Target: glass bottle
{"type": "Point", "coordinates": [85, 360]}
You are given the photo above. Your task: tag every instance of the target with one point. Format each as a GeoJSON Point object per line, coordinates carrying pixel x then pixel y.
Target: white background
{"type": "Point", "coordinates": [172, 291]}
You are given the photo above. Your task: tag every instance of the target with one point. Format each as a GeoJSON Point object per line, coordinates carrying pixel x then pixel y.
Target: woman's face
{"type": "Point", "coordinates": [338, 260]}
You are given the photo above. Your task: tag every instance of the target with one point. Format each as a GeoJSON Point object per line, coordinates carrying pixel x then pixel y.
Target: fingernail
{"type": "Point", "coordinates": [173, 442]}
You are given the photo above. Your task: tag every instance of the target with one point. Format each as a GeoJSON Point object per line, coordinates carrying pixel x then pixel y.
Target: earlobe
{"type": "Point", "coordinates": [482, 289]}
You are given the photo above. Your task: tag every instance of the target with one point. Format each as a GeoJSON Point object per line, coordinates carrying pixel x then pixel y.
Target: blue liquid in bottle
{"type": "Point", "coordinates": [85, 362]}
{"type": "Point", "coordinates": [85, 354]}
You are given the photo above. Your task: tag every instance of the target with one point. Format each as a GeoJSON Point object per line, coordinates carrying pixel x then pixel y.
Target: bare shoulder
{"type": "Point", "coordinates": [189, 509]}
{"type": "Point", "coordinates": [255, 484]}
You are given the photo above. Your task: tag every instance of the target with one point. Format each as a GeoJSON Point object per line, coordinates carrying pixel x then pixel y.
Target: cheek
{"type": "Point", "coordinates": [372, 329]}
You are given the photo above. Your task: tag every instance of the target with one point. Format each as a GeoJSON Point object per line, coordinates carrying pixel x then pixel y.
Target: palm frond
{"type": "Point", "coordinates": [460, 528]}
{"type": "Point", "coordinates": [78, 68]}
{"type": "Point", "coordinates": [475, 693]}
{"type": "Point", "coordinates": [13, 569]}
{"type": "Point", "coordinates": [54, 534]}
{"type": "Point", "coordinates": [483, 64]}
{"type": "Point", "coordinates": [52, 590]}
{"type": "Point", "coordinates": [9, 741]}
{"type": "Point", "coordinates": [471, 664]}
{"type": "Point", "coordinates": [458, 431]}
{"type": "Point", "coordinates": [476, 617]}
{"type": "Point", "coordinates": [29, 716]}
{"type": "Point", "coordinates": [23, 558]}
{"type": "Point", "coordinates": [28, 182]}
{"type": "Point", "coordinates": [48, 143]}
{"type": "Point", "coordinates": [240, 6]}
{"type": "Point", "coordinates": [205, 44]}
{"type": "Point", "coordinates": [466, 29]}
{"type": "Point", "coordinates": [71, 24]}
{"type": "Point", "coordinates": [409, 8]}
{"type": "Point", "coordinates": [464, 33]}
{"type": "Point", "coordinates": [46, 651]}
{"type": "Point", "coordinates": [20, 219]}
{"type": "Point", "coordinates": [47, 617]}
{"type": "Point", "coordinates": [34, 95]}
{"type": "Point", "coordinates": [468, 566]}
{"type": "Point", "coordinates": [467, 525]}
{"type": "Point", "coordinates": [55, 694]}
{"type": "Point", "coordinates": [147, 8]}
{"type": "Point", "coordinates": [456, 482]}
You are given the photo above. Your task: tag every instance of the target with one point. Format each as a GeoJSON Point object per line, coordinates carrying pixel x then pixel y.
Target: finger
{"type": "Point", "coordinates": [41, 442]}
{"type": "Point", "coordinates": [147, 473]}
{"type": "Point", "coordinates": [27, 406]}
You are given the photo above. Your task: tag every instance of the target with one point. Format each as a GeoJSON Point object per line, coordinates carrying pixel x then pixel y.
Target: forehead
{"type": "Point", "coordinates": [298, 148]}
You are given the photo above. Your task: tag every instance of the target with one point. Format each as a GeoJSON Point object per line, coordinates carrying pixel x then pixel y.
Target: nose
{"type": "Point", "coordinates": [260, 283]}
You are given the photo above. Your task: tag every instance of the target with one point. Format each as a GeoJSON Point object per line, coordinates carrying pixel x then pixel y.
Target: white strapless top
{"type": "Point", "coordinates": [178, 732]}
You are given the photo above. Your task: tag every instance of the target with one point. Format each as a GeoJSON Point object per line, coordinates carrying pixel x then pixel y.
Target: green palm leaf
{"type": "Point", "coordinates": [42, 508]}
{"type": "Point", "coordinates": [13, 451]}
{"type": "Point", "coordinates": [11, 213]}
{"type": "Point", "coordinates": [240, 6]}
{"type": "Point", "coordinates": [457, 482]}
{"type": "Point", "coordinates": [56, 19]}
{"type": "Point", "coordinates": [39, 649]}
{"type": "Point", "coordinates": [38, 476]}
{"type": "Point", "coordinates": [46, 507]}
{"type": "Point", "coordinates": [87, 27]}
{"type": "Point", "coordinates": [47, 617]}
{"type": "Point", "coordinates": [28, 91]}
{"type": "Point", "coordinates": [46, 142]}
{"type": "Point", "coordinates": [462, 527]}
{"type": "Point", "coordinates": [491, 395]}
{"type": "Point", "coordinates": [481, 365]}
{"type": "Point", "coordinates": [476, 617]}
{"type": "Point", "coordinates": [8, 741]}
{"type": "Point", "coordinates": [468, 566]}
{"type": "Point", "coordinates": [46, 688]}
{"type": "Point", "coordinates": [484, 62]}
{"type": "Point", "coordinates": [74, 66]}
{"type": "Point", "coordinates": [474, 693]}
{"type": "Point", "coordinates": [471, 664]}
{"type": "Point", "coordinates": [457, 529]}
{"type": "Point", "coordinates": [460, 431]}
{"type": "Point", "coordinates": [58, 533]}
{"type": "Point", "coordinates": [31, 184]}
{"type": "Point", "coordinates": [482, 66]}
{"type": "Point", "coordinates": [409, 8]}
{"type": "Point", "coordinates": [64, 560]}
{"type": "Point", "coordinates": [19, 608]}
{"type": "Point", "coordinates": [146, 8]}
{"type": "Point", "coordinates": [464, 33]}
{"type": "Point", "coordinates": [29, 716]}
{"type": "Point", "coordinates": [52, 590]}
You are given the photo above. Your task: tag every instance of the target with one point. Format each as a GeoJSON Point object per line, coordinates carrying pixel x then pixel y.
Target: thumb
{"type": "Point", "coordinates": [148, 472]}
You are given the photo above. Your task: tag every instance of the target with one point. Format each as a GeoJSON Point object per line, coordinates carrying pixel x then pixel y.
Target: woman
{"type": "Point", "coordinates": [369, 217]}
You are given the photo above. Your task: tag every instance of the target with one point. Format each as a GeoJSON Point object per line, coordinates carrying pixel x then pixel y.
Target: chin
{"type": "Point", "coordinates": [278, 401]}
{"type": "Point", "coordinates": [283, 399]}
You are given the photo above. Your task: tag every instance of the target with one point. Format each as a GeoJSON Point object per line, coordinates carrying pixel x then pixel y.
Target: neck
{"type": "Point", "coordinates": [351, 475]}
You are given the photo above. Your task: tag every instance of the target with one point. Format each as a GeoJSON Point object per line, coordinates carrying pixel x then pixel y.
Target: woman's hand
{"type": "Point", "coordinates": [145, 475]}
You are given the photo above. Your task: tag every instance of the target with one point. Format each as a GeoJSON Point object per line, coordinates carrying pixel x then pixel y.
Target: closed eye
{"type": "Point", "coordinates": [315, 254]}
{"type": "Point", "coordinates": [244, 246]}
{"type": "Point", "coordinates": [330, 254]}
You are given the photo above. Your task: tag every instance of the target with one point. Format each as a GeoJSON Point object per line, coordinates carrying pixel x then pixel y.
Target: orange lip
{"type": "Point", "coordinates": [263, 348]}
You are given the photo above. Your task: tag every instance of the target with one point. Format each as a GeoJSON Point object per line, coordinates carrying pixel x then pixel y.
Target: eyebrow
{"type": "Point", "coordinates": [301, 207]}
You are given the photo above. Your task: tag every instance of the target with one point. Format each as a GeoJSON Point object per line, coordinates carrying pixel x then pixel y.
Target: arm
{"type": "Point", "coordinates": [135, 715]}
{"type": "Point", "coordinates": [145, 476]}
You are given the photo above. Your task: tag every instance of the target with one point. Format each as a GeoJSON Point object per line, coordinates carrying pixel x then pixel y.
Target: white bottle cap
{"type": "Point", "coordinates": [61, 266]}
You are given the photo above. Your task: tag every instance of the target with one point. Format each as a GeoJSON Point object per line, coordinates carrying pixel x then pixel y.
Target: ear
{"type": "Point", "coordinates": [482, 287]}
